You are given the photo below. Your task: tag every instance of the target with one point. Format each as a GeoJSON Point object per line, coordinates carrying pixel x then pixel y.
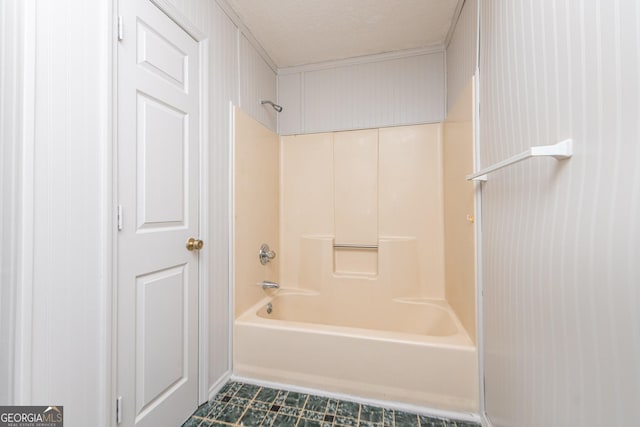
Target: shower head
{"type": "Point", "coordinates": [275, 106]}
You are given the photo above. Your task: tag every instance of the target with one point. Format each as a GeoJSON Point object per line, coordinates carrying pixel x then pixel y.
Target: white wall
{"type": "Point", "coordinates": [462, 52]}
{"type": "Point", "coordinates": [560, 239]}
{"type": "Point", "coordinates": [11, 58]}
{"type": "Point", "coordinates": [258, 82]}
{"type": "Point", "coordinates": [367, 92]}
{"type": "Point", "coordinates": [69, 341]}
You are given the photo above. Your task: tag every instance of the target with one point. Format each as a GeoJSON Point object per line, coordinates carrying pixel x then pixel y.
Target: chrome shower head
{"type": "Point", "coordinates": [276, 107]}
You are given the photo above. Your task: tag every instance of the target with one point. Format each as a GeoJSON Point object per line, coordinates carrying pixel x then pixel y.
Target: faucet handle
{"type": "Point", "coordinates": [266, 254]}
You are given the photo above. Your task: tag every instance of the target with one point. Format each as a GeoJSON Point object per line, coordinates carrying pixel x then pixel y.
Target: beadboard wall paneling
{"type": "Point", "coordinates": [72, 220]}
{"type": "Point", "coordinates": [223, 91]}
{"type": "Point", "coordinates": [462, 52]}
{"type": "Point", "coordinates": [560, 239]}
{"type": "Point", "coordinates": [11, 48]}
{"type": "Point", "coordinates": [238, 75]}
{"type": "Point", "coordinates": [368, 94]}
{"type": "Point", "coordinates": [290, 96]}
{"type": "Point", "coordinates": [257, 82]}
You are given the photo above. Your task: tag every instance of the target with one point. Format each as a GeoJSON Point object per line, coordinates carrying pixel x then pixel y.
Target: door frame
{"type": "Point", "coordinates": [203, 210]}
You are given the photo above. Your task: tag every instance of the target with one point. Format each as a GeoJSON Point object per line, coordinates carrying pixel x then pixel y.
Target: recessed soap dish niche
{"type": "Point", "coordinates": [355, 259]}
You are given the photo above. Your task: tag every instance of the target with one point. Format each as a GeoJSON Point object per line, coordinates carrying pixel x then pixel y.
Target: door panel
{"type": "Point", "coordinates": [162, 150]}
{"type": "Point", "coordinates": [161, 335]}
{"type": "Point", "coordinates": [158, 178]}
{"type": "Point", "coordinates": [161, 56]}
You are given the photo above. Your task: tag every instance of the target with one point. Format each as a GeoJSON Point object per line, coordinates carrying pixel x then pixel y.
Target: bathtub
{"type": "Point", "coordinates": [410, 351]}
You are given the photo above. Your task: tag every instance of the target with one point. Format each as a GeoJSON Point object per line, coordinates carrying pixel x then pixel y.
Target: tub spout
{"type": "Point", "coordinates": [270, 285]}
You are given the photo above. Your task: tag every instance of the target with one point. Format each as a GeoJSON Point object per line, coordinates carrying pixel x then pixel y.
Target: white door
{"type": "Point", "coordinates": [158, 154]}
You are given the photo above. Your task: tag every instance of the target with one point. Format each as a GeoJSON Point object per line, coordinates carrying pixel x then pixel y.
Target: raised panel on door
{"type": "Point", "coordinates": [161, 335]}
{"type": "Point", "coordinates": [160, 56]}
{"type": "Point", "coordinates": [162, 150]}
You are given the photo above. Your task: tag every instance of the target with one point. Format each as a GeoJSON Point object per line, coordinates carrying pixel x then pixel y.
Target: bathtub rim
{"type": "Point", "coordinates": [459, 341]}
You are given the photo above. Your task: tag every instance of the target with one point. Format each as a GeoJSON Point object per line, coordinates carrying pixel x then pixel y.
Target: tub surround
{"type": "Point", "coordinates": [361, 308]}
{"type": "Point", "coordinates": [372, 185]}
{"type": "Point", "coordinates": [255, 208]}
{"type": "Point", "coordinates": [395, 277]}
{"type": "Point", "coordinates": [355, 183]}
{"type": "Point", "coordinates": [459, 208]}
{"type": "Point", "coordinates": [360, 334]}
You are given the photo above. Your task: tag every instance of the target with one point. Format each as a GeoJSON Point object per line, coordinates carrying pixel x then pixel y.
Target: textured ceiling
{"type": "Point", "coordinates": [297, 32]}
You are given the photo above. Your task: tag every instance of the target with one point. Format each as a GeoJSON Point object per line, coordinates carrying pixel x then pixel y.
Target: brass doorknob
{"type": "Point", "coordinates": [194, 244]}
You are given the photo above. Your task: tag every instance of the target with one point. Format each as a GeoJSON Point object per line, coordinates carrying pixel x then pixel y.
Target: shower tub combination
{"type": "Point", "coordinates": [360, 230]}
{"type": "Point", "coordinates": [403, 350]}
{"type": "Point", "coordinates": [360, 334]}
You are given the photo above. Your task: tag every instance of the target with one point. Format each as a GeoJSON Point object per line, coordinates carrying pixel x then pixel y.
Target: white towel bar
{"type": "Point", "coordinates": [354, 246]}
{"type": "Point", "coordinates": [560, 151]}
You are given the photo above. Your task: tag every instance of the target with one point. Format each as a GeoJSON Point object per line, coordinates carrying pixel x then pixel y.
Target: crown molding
{"type": "Point", "coordinates": [454, 22]}
{"type": "Point", "coordinates": [378, 57]}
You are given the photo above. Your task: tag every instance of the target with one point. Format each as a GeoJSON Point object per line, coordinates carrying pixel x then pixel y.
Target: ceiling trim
{"type": "Point", "coordinates": [378, 57]}
{"type": "Point", "coordinates": [228, 10]}
{"type": "Point", "coordinates": [454, 22]}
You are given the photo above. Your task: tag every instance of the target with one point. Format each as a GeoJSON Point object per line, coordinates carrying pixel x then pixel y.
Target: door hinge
{"type": "Point", "coordinates": [120, 29]}
{"type": "Point", "coordinates": [119, 217]}
{"type": "Point", "coordinates": [119, 410]}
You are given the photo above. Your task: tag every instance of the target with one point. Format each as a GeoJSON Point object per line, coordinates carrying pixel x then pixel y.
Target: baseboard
{"type": "Point", "coordinates": [215, 388]}
{"type": "Point", "coordinates": [431, 412]}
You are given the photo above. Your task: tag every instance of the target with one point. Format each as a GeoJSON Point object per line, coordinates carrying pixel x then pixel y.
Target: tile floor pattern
{"type": "Point", "coordinates": [239, 404]}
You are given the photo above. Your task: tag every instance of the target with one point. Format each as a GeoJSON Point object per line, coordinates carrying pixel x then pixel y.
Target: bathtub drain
{"type": "Point", "coordinates": [269, 308]}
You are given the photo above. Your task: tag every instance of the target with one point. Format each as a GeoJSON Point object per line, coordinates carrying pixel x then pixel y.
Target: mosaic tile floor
{"type": "Point", "coordinates": [240, 404]}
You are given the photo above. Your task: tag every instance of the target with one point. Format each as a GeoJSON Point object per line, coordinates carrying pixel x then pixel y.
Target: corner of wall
{"type": "Point", "coordinates": [461, 55]}
{"type": "Point", "coordinates": [459, 210]}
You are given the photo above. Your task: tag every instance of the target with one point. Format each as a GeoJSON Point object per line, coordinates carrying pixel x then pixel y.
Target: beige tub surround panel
{"type": "Point", "coordinates": [398, 271]}
{"type": "Point", "coordinates": [400, 264]}
{"type": "Point", "coordinates": [362, 188]}
{"type": "Point", "coordinates": [306, 206]}
{"type": "Point", "coordinates": [411, 197]}
{"type": "Point", "coordinates": [256, 208]}
{"type": "Point", "coordinates": [315, 271]}
{"type": "Point", "coordinates": [355, 157]}
{"type": "Point", "coordinates": [459, 207]}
